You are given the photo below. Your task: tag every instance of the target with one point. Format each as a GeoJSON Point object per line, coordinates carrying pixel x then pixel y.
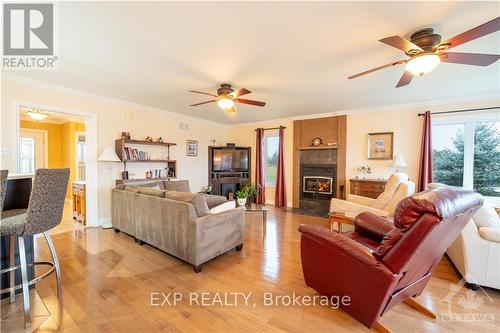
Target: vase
{"type": "Point", "coordinates": [242, 201]}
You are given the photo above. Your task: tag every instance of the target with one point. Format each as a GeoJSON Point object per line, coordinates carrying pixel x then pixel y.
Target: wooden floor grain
{"type": "Point", "coordinates": [108, 280]}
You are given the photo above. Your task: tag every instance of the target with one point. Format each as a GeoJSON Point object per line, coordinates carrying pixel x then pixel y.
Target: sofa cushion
{"type": "Point", "coordinates": [214, 200]}
{"type": "Point", "coordinates": [390, 188]}
{"type": "Point", "coordinates": [133, 188]}
{"type": "Point", "coordinates": [223, 207]}
{"type": "Point", "coordinates": [198, 201]}
{"type": "Point", "coordinates": [177, 185]}
{"type": "Point", "coordinates": [154, 191]}
{"type": "Point", "coordinates": [486, 216]}
{"type": "Point", "coordinates": [491, 234]}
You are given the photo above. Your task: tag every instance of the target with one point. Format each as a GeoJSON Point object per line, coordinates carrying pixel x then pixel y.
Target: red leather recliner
{"type": "Point", "coordinates": [380, 263]}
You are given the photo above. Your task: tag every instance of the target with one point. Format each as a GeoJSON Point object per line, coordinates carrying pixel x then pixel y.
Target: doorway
{"type": "Point", "coordinates": [53, 139]}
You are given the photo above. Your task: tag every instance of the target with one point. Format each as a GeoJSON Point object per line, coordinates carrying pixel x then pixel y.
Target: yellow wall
{"type": "Point", "coordinates": [61, 145]}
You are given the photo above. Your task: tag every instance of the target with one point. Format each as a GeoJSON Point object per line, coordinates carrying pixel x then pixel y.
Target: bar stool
{"type": "Point", "coordinates": [44, 212]}
{"type": "Point", "coordinates": [3, 187]}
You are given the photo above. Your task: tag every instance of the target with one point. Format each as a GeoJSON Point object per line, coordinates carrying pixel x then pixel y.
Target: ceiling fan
{"type": "Point", "coordinates": [226, 97]}
{"type": "Point", "coordinates": [426, 51]}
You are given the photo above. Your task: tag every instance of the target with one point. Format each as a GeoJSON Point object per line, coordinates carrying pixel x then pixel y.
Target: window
{"type": "Point", "coordinates": [27, 155]}
{"type": "Point", "coordinates": [80, 157]}
{"type": "Point", "coordinates": [271, 142]}
{"type": "Point", "coordinates": [467, 153]}
{"type": "Point", "coordinates": [448, 154]}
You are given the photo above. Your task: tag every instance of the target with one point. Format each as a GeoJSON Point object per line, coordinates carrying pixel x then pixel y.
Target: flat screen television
{"type": "Point", "coordinates": [230, 160]}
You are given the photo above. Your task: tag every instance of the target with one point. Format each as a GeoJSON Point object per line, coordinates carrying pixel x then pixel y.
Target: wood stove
{"type": "Point", "coordinates": [317, 185]}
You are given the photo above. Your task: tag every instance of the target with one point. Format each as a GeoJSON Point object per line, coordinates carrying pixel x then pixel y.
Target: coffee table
{"type": "Point", "coordinates": [258, 209]}
{"type": "Point", "coordinates": [339, 218]}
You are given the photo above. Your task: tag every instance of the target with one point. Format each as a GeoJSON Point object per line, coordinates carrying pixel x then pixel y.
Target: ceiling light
{"type": "Point", "coordinates": [423, 64]}
{"type": "Point", "coordinates": [37, 115]}
{"type": "Point", "coordinates": [225, 103]}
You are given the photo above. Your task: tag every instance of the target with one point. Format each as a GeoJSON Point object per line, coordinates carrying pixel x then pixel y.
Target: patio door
{"type": "Point", "coordinates": [32, 150]}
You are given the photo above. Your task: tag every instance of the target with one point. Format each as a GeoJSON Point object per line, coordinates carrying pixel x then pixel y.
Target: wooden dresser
{"type": "Point", "coordinates": [79, 203]}
{"type": "Point", "coordinates": [367, 187]}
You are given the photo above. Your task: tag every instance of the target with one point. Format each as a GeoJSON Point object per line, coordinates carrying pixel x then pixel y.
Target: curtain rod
{"type": "Point", "coordinates": [465, 110]}
{"type": "Point", "coordinates": [272, 128]}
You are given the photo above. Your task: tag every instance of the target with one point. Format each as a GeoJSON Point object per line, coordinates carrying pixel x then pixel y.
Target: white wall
{"type": "Point", "coordinates": [244, 135]}
{"type": "Point", "coordinates": [111, 122]}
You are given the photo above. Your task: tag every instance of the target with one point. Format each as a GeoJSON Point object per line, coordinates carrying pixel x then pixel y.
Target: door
{"type": "Point", "coordinates": [32, 150]}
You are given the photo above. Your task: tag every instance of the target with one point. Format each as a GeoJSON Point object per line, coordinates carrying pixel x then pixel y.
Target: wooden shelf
{"type": "Point", "coordinates": [150, 161]}
{"type": "Point", "coordinates": [148, 143]}
{"type": "Point", "coordinates": [318, 148]}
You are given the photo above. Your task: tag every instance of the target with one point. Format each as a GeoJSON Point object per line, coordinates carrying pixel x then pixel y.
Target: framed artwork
{"type": "Point", "coordinates": [380, 146]}
{"type": "Point", "coordinates": [191, 148]}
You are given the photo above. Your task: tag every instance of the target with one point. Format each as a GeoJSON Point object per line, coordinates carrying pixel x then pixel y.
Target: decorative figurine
{"type": "Point", "coordinates": [149, 139]}
{"type": "Point", "coordinates": [126, 135]}
{"type": "Point", "coordinates": [160, 140]}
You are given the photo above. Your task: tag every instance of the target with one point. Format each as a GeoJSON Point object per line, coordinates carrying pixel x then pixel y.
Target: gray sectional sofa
{"type": "Point", "coordinates": [167, 216]}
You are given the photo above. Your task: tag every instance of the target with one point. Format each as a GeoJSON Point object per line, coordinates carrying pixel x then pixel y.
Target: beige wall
{"type": "Point", "coordinates": [244, 135]}
{"type": "Point", "coordinates": [110, 122]}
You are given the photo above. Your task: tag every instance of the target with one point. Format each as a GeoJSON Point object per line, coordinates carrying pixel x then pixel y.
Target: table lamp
{"type": "Point", "coordinates": [399, 162]}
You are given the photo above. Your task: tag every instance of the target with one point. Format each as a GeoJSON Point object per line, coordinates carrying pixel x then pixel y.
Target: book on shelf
{"type": "Point", "coordinates": [134, 154]}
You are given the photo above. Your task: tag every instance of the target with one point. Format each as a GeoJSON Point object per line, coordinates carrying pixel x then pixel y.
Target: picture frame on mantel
{"type": "Point", "coordinates": [191, 148]}
{"type": "Point", "coordinates": [380, 146]}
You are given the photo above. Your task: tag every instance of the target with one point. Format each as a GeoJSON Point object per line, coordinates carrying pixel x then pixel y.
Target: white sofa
{"type": "Point", "coordinates": [476, 252]}
{"type": "Point", "coordinates": [397, 188]}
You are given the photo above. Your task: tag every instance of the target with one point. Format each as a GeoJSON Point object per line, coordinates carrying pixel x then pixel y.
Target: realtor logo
{"type": "Point", "coordinates": [28, 36]}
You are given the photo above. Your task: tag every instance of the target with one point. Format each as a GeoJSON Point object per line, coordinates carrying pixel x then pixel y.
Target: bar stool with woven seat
{"type": "Point", "coordinates": [44, 212]}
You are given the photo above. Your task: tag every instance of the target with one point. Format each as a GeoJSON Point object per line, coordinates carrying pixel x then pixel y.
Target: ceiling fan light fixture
{"type": "Point", "coordinates": [225, 103]}
{"type": "Point", "coordinates": [37, 115]}
{"type": "Point", "coordinates": [423, 63]}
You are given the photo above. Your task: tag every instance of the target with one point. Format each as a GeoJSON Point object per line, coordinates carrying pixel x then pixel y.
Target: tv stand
{"type": "Point", "coordinates": [226, 182]}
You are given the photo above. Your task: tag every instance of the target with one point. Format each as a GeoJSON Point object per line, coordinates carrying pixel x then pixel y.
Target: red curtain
{"type": "Point", "coordinates": [259, 167]}
{"type": "Point", "coordinates": [280, 193]}
{"type": "Point", "coordinates": [425, 167]}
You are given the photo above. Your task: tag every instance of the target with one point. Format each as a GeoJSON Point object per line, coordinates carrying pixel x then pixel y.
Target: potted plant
{"type": "Point", "coordinates": [246, 191]}
{"type": "Point", "coordinates": [364, 170]}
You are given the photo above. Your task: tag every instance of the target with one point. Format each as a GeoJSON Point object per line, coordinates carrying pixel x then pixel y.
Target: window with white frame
{"type": "Point", "coordinates": [26, 155]}
{"type": "Point", "coordinates": [466, 152]}
{"type": "Point", "coordinates": [271, 143]}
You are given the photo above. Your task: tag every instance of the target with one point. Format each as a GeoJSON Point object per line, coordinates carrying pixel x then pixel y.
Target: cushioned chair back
{"type": "Point", "coordinates": [3, 187]}
{"type": "Point", "coordinates": [426, 225]}
{"type": "Point", "coordinates": [404, 190]}
{"type": "Point", "coordinates": [390, 189]}
{"type": "Point", "coordinates": [46, 204]}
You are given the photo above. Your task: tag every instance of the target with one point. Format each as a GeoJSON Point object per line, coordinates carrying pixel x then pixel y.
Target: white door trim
{"type": "Point", "coordinates": [91, 147]}
{"type": "Point", "coordinates": [45, 143]}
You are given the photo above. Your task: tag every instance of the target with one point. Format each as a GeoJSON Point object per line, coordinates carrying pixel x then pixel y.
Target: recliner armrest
{"type": "Point", "coordinates": [375, 225]}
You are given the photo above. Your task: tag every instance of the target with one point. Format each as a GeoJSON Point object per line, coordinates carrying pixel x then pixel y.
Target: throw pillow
{"type": "Point", "coordinates": [214, 200]}
{"type": "Point", "coordinates": [198, 201]}
{"type": "Point", "coordinates": [153, 191]}
{"type": "Point", "coordinates": [486, 216]}
{"type": "Point", "coordinates": [177, 185]}
{"type": "Point", "coordinates": [223, 207]}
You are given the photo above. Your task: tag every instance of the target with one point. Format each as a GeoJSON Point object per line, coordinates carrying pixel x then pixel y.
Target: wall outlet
{"type": "Point", "coordinates": [183, 126]}
{"type": "Point", "coordinates": [4, 151]}
{"type": "Point", "coordinates": [127, 115]}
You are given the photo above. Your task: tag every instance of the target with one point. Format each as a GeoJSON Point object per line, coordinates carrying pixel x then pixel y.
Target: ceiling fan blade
{"type": "Point", "coordinates": [476, 59]}
{"type": "Point", "coordinates": [203, 93]}
{"type": "Point", "coordinates": [376, 69]}
{"type": "Point", "coordinates": [249, 101]}
{"type": "Point", "coordinates": [204, 103]}
{"type": "Point", "coordinates": [405, 79]}
{"type": "Point", "coordinates": [400, 43]}
{"type": "Point", "coordinates": [240, 92]}
{"type": "Point", "coordinates": [479, 31]}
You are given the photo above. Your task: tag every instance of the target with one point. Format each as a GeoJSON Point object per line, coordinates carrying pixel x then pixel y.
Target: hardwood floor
{"type": "Point", "coordinates": [108, 280]}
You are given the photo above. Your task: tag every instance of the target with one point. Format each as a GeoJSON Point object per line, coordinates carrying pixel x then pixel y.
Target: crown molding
{"type": "Point", "coordinates": [102, 98]}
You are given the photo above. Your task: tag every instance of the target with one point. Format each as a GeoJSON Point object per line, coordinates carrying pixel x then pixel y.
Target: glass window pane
{"type": "Point", "coordinates": [271, 155]}
{"type": "Point", "coordinates": [486, 176]}
{"type": "Point", "coordinates": [448, 154]}
{"type": "Point", "coordinates": [27, 155]}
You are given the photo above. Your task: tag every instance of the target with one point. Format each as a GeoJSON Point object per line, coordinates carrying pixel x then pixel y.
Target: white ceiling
{"type": "Point", "coordinates": [294, 56]}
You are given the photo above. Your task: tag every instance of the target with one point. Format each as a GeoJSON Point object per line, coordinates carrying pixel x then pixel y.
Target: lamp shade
{"type": "Point", "coordinates": [399, 161]}
{"type": "Point", "coordinates": [108, 155]}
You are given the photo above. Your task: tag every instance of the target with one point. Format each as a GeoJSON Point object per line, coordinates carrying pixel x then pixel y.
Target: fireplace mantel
{"type": "Point", "coordinates": [318, 148]}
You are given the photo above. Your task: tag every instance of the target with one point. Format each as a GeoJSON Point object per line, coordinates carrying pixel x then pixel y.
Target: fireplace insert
{"type": "Point", "coordinates": [317, 184]}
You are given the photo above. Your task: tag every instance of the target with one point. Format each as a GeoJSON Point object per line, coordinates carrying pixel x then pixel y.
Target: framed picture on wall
{"type": "Point", "coordinates": [191, 148]}
{"type": "Point", "coordinates": [380, 146]}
